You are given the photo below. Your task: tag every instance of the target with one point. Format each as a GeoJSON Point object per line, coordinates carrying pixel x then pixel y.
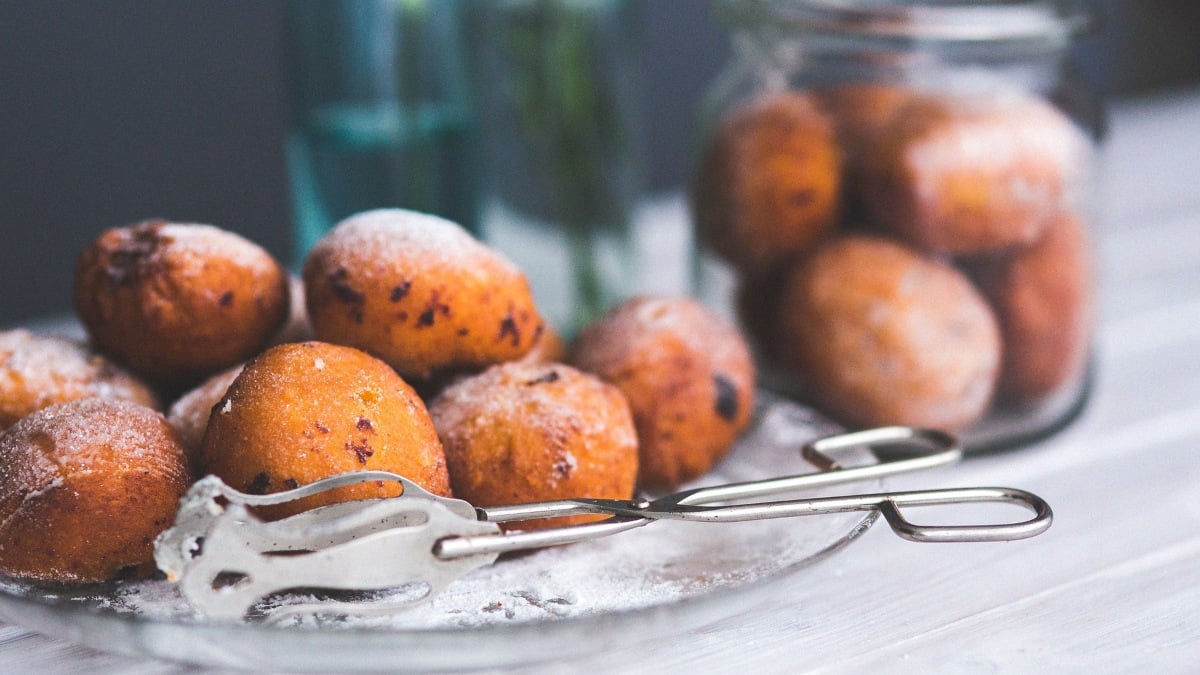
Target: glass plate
{"type": "Point", "coordinates": [652, 582]}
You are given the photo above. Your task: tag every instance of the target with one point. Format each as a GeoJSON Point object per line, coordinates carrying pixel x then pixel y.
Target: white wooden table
{"type": "Point", "coordinates": [1114, 586]}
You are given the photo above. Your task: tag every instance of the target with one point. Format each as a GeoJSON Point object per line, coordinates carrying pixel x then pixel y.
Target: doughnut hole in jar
{"type": "Point", "coordinates": [1042, 295]}
{"type": "Point", "coordinates": [769, 181]}
{"type": "Point", "coordinates": [881, 334]}
{"type": "Point", "coordinates": [965, 143]}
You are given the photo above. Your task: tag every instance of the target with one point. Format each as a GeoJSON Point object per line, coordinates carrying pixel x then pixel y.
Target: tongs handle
{"type": "Point", "coordinates": [889, 504]}
{"type": "Point", "coordinates": [906, 529]}
{"type": "Point", "coordinates": [932, 448]}
{"type": "Point", "coordinates": [928, 448]}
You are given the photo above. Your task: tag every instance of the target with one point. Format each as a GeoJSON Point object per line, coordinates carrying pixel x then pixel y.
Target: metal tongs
{"type": "Point", "coordinates": [226, 560]}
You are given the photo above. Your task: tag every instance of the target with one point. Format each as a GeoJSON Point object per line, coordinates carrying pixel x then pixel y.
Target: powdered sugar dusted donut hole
{"type": "Point", "coordinates": [178, 302]}
{"type": "Point", "coordinates": [973, 173]}
{"type": "Point", "coordinates": [419, 292]}
{"type": "Point", "coordinates": [85, 487]}
{"type": "Point", "coordinates": [880, 334]}
{"type": "Point", "coordinates": [37, 371]}
{"type": "Point", "coordinates": [304, 411]}
{"type": "Point", "coordinates": [687, 374]}
{"type": "Point", "coordinates": [524, 432]}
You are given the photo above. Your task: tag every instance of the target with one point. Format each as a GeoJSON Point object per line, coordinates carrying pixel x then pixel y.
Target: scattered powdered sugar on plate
{"type": "Point", "coordinates": [661, 563]}
{"type": "Point", "coordinates": [207, 242]}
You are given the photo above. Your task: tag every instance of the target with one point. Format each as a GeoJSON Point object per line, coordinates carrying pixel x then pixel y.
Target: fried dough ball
{"type": "Point", "coordinates": [189, 414]}
{"type": "Point", "coordinates": [768, 185]}
{"type": "Point", "coordinates": [1042, 297]}
{"type": "Point", "coordinates": [972, 174]}
{"type": "Point", "coordinates": [860, 110]}
{"type": "Point", "coordinates": [687, 374]}
{"type": "Point", "coordinates": [178, 302]}
{"type": "Point", "coordinates": [882, 335]}
{"type": "Point", "coordinates": [85, 487]}
{"type": "Point", "coordinates": [37, 371]}
{"type": "Point", "coordinates": [525, 432]}
{"type": "Point", "coordinates": [419, 292]}
{"type": "Point", "coordinates": [304, 411]}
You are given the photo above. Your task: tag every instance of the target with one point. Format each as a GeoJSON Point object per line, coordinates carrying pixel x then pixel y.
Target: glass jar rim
{"type": "Point", "coordinates": [948, 21]}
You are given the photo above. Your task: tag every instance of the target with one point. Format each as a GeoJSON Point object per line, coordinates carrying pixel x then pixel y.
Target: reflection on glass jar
{"type": "Point", "coordinates": [894, 199]}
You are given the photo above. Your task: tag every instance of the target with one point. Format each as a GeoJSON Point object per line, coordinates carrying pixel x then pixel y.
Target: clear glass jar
{"type": "Point", "coordinates": [894, 200]}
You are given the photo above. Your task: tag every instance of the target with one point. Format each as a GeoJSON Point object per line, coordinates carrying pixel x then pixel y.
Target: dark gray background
{"type": "Point", "coordinates": [113, 112]}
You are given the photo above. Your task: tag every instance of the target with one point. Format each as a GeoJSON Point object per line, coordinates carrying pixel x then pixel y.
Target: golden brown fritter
{"type": "Point", "coordinates": [85, 487]}
{"type": "Point", "coordinates": [1042, 295]}
{"type": "Point", "coordinates": [37, 371]}
{"type": "Point", "coordinates": [880, 334]}
{"type": "Point", "coordinates": [687, 374]}
{"type": "Point", "coordinates": [768, 183]}
{"type": "Point", "coordinates": [179, 302]}
{"type": "Point", "coordinates": [524, 432]}
{"type": "Point", "coordinates": [972, 174]}
{"type": "Point", "coordinates": [304, 411]}
{"type": "Point", "coordinates": [418, 292]}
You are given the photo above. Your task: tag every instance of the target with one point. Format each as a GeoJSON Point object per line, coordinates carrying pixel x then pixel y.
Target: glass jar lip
{"type": "Point", "coordinates": [948, 21]}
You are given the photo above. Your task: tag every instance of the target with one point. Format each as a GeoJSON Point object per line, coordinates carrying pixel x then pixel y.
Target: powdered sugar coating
{"type": "Point", "coordinates": [522, 432]}
{"type": "Point", "coordinates": [208, 241]}
{"type": "Point", "coordinates": [39, 370]}
{"type": "Point", "coordinates": [533, 394]}
{"type": "Point", "coordinates": [687, 374]}
{"type": "Point", "coordinates": [639, 324]}
{"type": "Point", "coordinates": [89, 430]}
{"type": "Point", "coordinates": [660, 564]}
{"type": "Point", "coordinates": [419, 292]}
{"type": "Point", "coordinates": [85, 486]}
{"type": "Point", "coordinates": [178, 302]}
{"type": "Point", "coordinates": [398, 233]}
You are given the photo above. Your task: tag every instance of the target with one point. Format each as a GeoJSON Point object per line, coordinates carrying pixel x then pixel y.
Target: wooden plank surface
{"type": "Point", "coordinates": [1114, 586]}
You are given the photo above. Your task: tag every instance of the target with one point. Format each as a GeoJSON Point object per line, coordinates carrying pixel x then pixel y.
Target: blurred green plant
{"type": "Point", "coordinates": [568, 84]}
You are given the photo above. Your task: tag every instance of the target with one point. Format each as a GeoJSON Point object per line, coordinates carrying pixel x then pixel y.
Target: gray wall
{"type": "Point", "coordinates": [114, 112]}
